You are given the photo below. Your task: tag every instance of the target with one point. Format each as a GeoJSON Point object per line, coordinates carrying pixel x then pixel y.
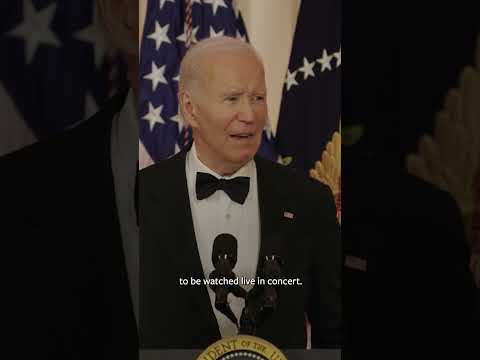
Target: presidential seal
{"type": "Point", "coordinates": [242, 347]}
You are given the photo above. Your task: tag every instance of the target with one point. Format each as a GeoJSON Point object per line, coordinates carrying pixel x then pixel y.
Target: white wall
{"type": "Point", "coordinates": [271, 26]}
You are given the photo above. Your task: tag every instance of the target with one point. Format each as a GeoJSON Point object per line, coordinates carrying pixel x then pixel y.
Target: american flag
{"type": "Point", "coordinates": [56, 68]}
{"type": "Point", "coordinates": [311, 102]}
{"type": "Point", "coordinates": [171, 26]}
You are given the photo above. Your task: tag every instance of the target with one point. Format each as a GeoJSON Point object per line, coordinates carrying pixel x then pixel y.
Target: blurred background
{"type": "Point", "coordinates": [56, 70]}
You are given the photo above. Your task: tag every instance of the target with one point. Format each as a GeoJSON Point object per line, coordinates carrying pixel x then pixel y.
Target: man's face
{"type": "Point", "coordinates": [230, 109]}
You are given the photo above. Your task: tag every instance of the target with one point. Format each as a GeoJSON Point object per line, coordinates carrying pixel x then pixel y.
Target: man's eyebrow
{"type": "Point", "coordinates": [232, 92]}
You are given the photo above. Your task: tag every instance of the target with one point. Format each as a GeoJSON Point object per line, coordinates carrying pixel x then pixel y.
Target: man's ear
{"type": "Point", "coordinates": [188, 108]}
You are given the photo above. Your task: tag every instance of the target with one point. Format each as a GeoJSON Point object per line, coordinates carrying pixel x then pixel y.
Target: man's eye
{"type": "Point", "coordinates": [259, 98]}
{"type": "Point", "coordinates": [231, 99]}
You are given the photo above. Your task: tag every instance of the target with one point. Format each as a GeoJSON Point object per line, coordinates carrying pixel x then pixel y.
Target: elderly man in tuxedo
{"type": "Point", "coordinates": [219, 185]}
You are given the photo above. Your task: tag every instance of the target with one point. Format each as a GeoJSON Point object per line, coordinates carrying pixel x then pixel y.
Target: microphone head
{"type": "Point", "coordinates": [272, 267]}
{"type": "Point", "coordinates": [225, 246]}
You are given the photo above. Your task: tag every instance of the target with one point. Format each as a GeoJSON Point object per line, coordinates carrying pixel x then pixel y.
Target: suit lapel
{"type": "Point", "coordinates": [271, 206]}
{"type": "Point", "coordinates": [115, 284]}
{"type": "Point", "coordinates": [125, 325]}
{"type": "Point", "coordinates": [185, 246]}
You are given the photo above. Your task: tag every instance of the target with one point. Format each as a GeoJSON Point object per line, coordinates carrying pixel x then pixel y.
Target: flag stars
{"type": "Point", "coordinates": [290, 80]}
{"type": "Point", "coordinates": [96, 36]}
{"type": "Point", "coordinates": [338, 56]}
{"type": "Point", "coordinates": [35, 28]}
{"type": "Point", "coordinates": [160, 35]}
{"type": "Point", "coordinates": [307, 68]}
{"type": "Point", "coordinates": [179, 120]}
{"type": "Point", "coordinates": [183, 37]}
{"type": "Point", "coordinates": [216, 34]}
{"type": "Point", "coordinates": [241, 37]}
{"type": "Point", "coordinates": [176, 149]}
{"type": "Point", "coordinates": [162, 3]}
{"type": "Point", "coordinates": [153, 116]}
{"type": "Point", "coordinates": [157, 76]}
{"type": "Point", "coordinates": [325, 61]}
{"type": "Point", "coordinates": [268, 130]}
{"type": "Point", "coordinates": [215, 4]}
{"type": "Point", "coordinates": [91, 106]}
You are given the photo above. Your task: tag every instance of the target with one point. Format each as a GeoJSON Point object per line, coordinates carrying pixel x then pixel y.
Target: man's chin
{"type": "Point", "coordinates": [242, 158]}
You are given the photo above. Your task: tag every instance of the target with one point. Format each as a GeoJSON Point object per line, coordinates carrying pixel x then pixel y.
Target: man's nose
{"type": "Point", "coordinates": [246, 113]}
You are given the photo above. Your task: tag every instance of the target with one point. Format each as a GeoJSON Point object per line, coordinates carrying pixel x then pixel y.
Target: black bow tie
{"type": "Point", "coordinates": [236, 188]}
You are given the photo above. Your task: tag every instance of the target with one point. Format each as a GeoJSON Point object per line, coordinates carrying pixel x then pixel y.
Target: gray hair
{"type": "Point", "coordinates": [191, 70]}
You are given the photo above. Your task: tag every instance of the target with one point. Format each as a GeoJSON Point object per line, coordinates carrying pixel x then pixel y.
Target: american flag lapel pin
{"type": "Point", "coordinates": [288, 215]}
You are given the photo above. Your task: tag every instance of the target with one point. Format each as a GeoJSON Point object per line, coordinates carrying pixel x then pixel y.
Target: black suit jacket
{"type": "Point", "coordinates": [66, 280]}
{"type": "Point", "coordinates": [172, 316]}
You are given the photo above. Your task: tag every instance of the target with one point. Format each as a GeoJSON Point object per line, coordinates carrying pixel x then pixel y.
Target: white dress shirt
{"type": "Point", "coordinates": [218, 214]}
{"type": "Point", "coordinates": [124, 157]}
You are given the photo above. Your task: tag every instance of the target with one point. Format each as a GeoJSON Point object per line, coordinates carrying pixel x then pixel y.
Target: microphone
{"type": "Point", "coordinates": [272, 269]}
{"type": "Point", "coordinates": [262, 299]}
{"type": "Point", "coordinates": [224, 259]}
{"type": "Point", "coordinates": [224, 253]}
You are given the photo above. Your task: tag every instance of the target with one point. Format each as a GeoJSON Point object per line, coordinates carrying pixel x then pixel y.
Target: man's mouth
{"type": "Point", "coordinates": [242, 136]}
